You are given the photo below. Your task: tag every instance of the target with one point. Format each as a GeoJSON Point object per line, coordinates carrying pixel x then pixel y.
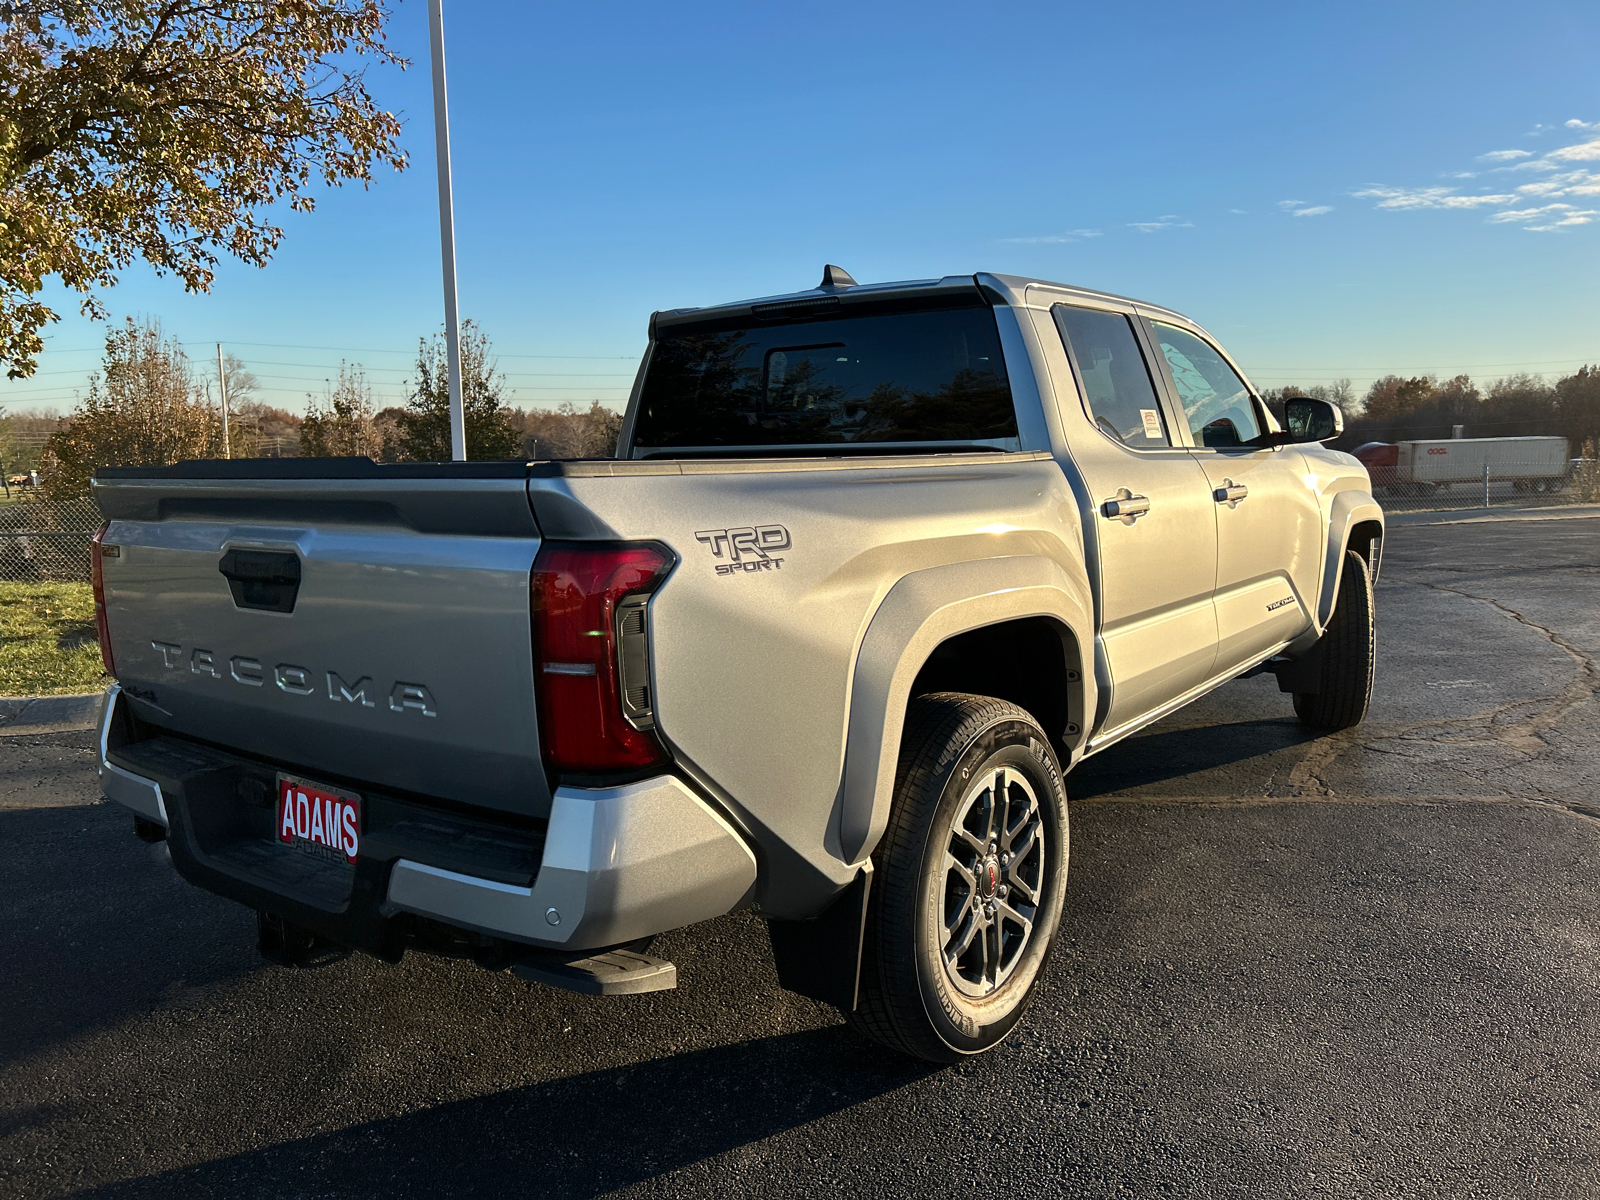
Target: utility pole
{"type": "Point", "coordinates": [447, 231]}
{"type": "Point", "coordinates": [222, 382]}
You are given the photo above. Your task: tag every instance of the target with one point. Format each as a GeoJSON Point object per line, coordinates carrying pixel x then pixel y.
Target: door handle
{"type": "Point", "coordinates": [1125, 506]}
{"type": "Point", "coordinates": [1230, 493]}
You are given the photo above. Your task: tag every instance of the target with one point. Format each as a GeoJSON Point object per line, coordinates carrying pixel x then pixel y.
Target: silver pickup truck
{"type": "Point", "coordinates": [875, 566]}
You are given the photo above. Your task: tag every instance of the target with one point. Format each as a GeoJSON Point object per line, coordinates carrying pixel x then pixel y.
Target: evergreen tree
{"type": "Point", "coordinates": [424, 427]}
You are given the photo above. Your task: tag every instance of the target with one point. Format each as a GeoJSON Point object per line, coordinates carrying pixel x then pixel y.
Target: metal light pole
{"type": "Point", "coordinates": [447, 231]}
{"type": "Point", "coordinates": [222, 382]}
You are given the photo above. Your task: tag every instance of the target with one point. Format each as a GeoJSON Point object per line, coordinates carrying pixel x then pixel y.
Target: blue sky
{"type": "Point", "coordinates": [1333, 190]}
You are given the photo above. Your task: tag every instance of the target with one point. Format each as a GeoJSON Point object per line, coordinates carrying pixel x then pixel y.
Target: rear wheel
{"type": "Point", "coordinates": [969, 879]}
{"type": "Point", "coordinates": [1348, 650]}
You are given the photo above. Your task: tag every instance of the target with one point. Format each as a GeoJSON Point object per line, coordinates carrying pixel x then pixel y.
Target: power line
{"type": "Point", "coordinates": [359, 350]}
{"type": "Point", "coordinates": [1547, 362]}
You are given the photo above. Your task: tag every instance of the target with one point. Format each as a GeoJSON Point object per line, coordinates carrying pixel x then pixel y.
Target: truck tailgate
{"type": "Point", "coordinates": [400, 658]}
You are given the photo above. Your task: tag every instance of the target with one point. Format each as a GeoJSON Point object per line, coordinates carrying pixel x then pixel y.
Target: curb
{"type": "Point", "coordinates": [21, 715]}
{"type": "Point", "coordinates": [1484, 516]}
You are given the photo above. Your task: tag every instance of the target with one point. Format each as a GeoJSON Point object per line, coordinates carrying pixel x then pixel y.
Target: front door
{"type": "Point", "coordinates": [1152, 525]}
{"type": "Point", "coordinates": [1269, 520]}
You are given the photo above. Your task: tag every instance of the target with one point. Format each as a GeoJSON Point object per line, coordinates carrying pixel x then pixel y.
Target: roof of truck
{"type": "Point", "coordinates": [1008, 289]}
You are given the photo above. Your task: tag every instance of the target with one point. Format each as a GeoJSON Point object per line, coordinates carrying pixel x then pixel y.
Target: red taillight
{"type": "Point", "coordinates": [97, 551]}
{"type": "Point", "coordinates": [576, 590]}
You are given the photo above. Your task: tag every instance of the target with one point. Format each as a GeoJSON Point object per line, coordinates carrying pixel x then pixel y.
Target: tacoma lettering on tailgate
{"type": "Point", "coordinates": [295, 680]}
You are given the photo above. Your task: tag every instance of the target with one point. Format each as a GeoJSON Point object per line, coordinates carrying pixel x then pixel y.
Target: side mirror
{"type": "Point", "coordinates": [1312, 420]}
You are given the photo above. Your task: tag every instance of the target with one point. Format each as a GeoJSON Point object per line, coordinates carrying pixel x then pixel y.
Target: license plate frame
{"type": "Point", "coordinates": [302, 814]}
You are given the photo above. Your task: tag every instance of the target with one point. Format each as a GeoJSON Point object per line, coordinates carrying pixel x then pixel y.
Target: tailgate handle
{"type": "Point", "coordinates": [268, 580]}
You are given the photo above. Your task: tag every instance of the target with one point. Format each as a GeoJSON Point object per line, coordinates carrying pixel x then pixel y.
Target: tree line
{"type": "Point", "coordinates": [1422, 407]}
{"type": "Point", "coordinates": [148, 406]}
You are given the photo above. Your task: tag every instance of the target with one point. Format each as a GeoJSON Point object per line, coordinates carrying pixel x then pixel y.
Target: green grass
{"type": "Point", "coordinates": [47, 640]}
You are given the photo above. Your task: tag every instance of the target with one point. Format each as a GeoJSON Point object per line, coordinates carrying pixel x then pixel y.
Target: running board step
{"type": "Point", "coordinates": [612, 973]}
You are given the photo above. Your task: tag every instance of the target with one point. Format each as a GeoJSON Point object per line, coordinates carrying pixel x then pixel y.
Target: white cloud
{"type": "Point", "coordinates": [1585, 217]}
{"type": "Point", "coordinates": [1559, 181]}
{"type": "Point", "coordinates": [1582, 152]}
{"type": "Point", "coordinates": [1549, 217]}
{"type": "Point", "coordinates": [1517, 215]}
{"type": "Point", "coordinates": [1580, 183]}
{"type": "Point", "coordinates": [1238, 212]}
{"type": "Point", "coordinates": [1434, 197]}
{"type": "Point", "coordinates": [1071, 235]}
{"type": "Point", "coordinates": [1315, 211]}
{"type": "Point", "coordinates": [1290, 205]}
{"type": "Point", "coordinates": [1169, 221]}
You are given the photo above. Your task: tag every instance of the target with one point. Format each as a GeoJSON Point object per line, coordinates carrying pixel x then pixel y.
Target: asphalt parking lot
{"type": "Point", "coordinates": [1359, 965]}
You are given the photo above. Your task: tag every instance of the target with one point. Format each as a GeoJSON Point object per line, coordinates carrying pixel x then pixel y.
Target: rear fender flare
{"type": "Point", "coordinates": [922, 610]}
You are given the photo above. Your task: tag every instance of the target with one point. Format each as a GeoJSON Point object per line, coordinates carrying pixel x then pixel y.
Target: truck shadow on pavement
{"type": "Point", "coordinates": [66, 966]}
{"type": "Point", "coordinates": [1165, 752]}
{"type": "Point", "coordinates": [579, 1136]}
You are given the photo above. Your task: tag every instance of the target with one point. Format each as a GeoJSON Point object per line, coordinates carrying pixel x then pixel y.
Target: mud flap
{"type": "Point", "coordinates": [821, 958]}
{"type": "Point", "coordinates": [1303, 675]}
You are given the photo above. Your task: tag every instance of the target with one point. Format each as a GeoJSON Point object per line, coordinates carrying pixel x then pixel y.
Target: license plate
{"type": "Point", "coordinates": [319, 819]}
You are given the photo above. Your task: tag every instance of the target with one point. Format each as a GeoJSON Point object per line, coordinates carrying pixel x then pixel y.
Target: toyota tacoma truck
{"type": "Point", "coordinates": [873, 568]}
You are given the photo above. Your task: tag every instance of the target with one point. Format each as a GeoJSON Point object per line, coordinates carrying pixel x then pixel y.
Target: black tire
{"type": "Point", "coordinates": [911, 999]}
{"type": "Point", "coordinates": [1348, 648]}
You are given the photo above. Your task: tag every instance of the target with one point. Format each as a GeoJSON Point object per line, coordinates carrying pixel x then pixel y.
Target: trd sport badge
{"type": "Point", "coordinates": [748, 549]}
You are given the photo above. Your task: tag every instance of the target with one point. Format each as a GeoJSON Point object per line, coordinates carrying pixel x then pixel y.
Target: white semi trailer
{"type": "Point", "coordinates": [1532, 464]}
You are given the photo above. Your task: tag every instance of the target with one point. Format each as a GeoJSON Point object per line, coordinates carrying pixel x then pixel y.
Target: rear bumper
{"type": "Point", "coordinates": [612, 865]}
{"type": "Point", "coordinates": [140, 794]}
{"type": "Point", "coordinates": [619, 864]}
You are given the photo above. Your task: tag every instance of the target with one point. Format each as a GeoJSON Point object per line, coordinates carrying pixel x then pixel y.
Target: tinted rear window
{"type": "Point", "coordinates": [881, 377]}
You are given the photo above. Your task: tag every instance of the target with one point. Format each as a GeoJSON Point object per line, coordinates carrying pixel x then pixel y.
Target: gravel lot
{"type": "Point", "coordinates": [1356, 965]}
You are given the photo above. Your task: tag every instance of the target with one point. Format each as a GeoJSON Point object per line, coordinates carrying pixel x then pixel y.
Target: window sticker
{"type": "Point", "coordinates": [1152, 424]}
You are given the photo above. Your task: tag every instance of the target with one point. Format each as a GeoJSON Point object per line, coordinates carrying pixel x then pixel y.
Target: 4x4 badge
{"type": "Point", "coordinates": [749, 548]}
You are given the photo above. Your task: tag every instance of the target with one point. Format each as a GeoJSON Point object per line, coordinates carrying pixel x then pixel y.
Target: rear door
{"type": "Point", "coordinates": [1153, 523]}
{"type": "Point", "coordinates": [1268, 516]}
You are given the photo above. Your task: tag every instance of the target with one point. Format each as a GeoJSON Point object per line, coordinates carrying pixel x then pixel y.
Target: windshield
{"type": "Point", "coordinates": [880, 377]}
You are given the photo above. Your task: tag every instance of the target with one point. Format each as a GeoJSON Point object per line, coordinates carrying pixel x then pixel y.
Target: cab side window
{"type": "Point", "coordinates": [1116, 381]}
{"type": "Point", "coordinates": [1215, 401]}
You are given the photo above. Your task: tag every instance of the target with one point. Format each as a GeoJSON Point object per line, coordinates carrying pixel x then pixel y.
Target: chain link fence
{"type": "Point", "coordinates": [46, 540]}
{"type": "Point", "coordinates": [1504, 485]}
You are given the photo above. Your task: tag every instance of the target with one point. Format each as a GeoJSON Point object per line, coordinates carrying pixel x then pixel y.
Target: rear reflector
{"type": "Point", "coordinates": [577, 588]}
{"type": "Point", "coordinates": [98, 551]}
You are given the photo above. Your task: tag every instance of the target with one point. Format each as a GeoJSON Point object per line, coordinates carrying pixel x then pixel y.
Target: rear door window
{"type": "Point", "coordinates": [1215, 401]}
{"type": "Point", "coordinates": [1116, 381]}
{"type": "Point", "coordinates": [886, 376]}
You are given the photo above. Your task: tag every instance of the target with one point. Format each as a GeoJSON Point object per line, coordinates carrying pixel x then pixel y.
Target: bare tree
{"type": "Point", "coordinates": [571, 432]}
{"type": "Point", "coordinates": [342, 425]}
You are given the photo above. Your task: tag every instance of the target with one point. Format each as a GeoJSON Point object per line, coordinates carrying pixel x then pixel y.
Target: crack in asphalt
{"type": "Point", "coordinates": [1491, 569]}
{"type": "Point", "coordinates": [1583, 811]}
{"type": "Point", "coordinates": [1308, 777]}
{"type": "Point", "coordinates": [1582, 689]}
